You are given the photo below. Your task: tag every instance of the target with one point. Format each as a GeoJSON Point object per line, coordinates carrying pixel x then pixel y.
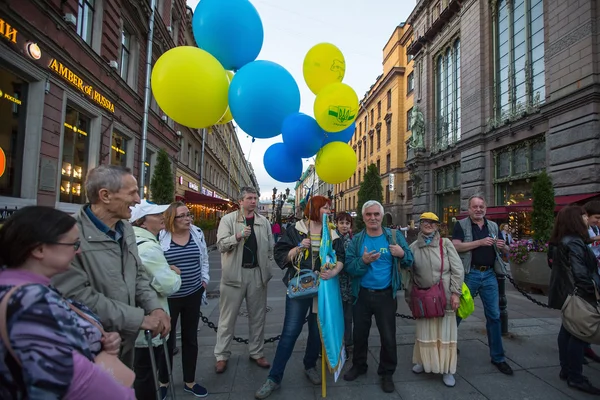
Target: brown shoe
{"type": "Point", "coordinates": [221, 366]}
{"type": "Point", "coordinates": [261, 362]}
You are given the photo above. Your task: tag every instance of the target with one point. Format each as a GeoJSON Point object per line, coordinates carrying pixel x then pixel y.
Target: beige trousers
{"type": "Point", "coordinates": [255, 294]}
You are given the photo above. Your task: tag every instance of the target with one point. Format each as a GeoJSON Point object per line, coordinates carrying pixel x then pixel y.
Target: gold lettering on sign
{"type": "Point", "coordinates": [77, 82]}
{"type": "Point", "coordinates": [8, 31]}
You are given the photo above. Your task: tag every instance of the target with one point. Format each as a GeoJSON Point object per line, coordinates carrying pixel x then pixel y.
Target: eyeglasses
{"type": "Point", "coordinates": [75, 245]}
{"type": "Point", "coordinates": [188, 215]}
{"type": "Point", "coordinates": [428, 222]}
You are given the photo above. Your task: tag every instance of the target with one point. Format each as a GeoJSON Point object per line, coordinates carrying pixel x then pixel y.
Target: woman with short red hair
{"type": "Point", "coordinates": [299, 248]}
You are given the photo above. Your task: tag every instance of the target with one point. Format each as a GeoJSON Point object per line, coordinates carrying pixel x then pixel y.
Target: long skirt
{"type": "Point", "coordinates": [435, 344]}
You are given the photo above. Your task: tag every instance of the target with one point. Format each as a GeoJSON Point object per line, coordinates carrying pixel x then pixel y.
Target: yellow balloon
{"type": "Point", "coordinates": [323, 64]}
{"type": "Point", "coordinates": [336, 162]}
{"type": "Point", "coordinates": [190, 86]}
{"type": "Point", "coordinates": [227, 117]}
{"type": "Point", "coordinates": [336, 107]}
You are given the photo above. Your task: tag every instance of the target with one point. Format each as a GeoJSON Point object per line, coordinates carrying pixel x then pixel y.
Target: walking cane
{"type": "Point", "coordinates": [148, 335]}
{"type": "Point", "coordinates": [169, 369]}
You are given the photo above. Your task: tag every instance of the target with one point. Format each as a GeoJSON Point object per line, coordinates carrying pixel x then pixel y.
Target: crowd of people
{"type": "Point", "coordinates": [112, 282]}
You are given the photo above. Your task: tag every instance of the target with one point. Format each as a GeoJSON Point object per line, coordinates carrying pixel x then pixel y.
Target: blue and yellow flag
{"type": "Point", "coordinates": [331, 314]}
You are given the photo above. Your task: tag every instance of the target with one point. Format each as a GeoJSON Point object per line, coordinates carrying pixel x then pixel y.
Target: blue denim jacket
{"type": "Point", "coordinates": [355, 266]}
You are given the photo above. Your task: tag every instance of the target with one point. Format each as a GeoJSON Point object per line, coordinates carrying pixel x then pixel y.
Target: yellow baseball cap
{"type": "Point", "coordinates": [429, 215]}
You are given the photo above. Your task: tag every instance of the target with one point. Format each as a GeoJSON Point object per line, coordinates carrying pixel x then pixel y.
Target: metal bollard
{"type": "Point", "coordinates": [503, 303]}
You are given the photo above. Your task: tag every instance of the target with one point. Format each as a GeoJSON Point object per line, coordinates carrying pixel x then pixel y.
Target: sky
{"type": "Point", "coordinates": [359, 28]}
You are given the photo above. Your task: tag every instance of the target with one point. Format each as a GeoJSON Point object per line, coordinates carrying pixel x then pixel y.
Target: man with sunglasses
{"type": "Point", "coordinates": [245, 241]}
{"type": "Point", "coordinates": [107, 275]}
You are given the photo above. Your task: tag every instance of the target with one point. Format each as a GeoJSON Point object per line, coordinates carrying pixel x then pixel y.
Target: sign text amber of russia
{"type": "Point", "coordinates": [77, 82]}
{"type": "Point", "coordinates": [8, 32]}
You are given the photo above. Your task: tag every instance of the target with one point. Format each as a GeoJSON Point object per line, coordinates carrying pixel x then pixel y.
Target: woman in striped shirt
{"type": "Point", "coordinates": [185, 247]}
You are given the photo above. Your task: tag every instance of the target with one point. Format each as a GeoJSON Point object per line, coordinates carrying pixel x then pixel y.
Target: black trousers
{"type": "Point", "coordinates": [189, 309]}
{"type": "Point", "coordinates": [383, 306]}
{"type": "Point", "coordinates": [348, 310]}
{"type": "Point", "coordinates": [570, 353]}
{"type": "Point", "coordinates": [144, 385]}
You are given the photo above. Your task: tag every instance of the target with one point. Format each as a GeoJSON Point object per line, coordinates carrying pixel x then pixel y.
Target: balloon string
{"type": "Point", "coordinates": [250, 151]}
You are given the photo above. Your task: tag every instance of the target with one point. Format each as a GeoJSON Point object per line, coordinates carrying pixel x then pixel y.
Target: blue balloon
{"type": "Point", "coordinates": [302, 135]}
{"type": "Point", "coordinates": [230, 30]}
{"type": "Point", "coordinates": [261, 95]}
{"type": "Point", "coordinates": [281, 165]}
{"type": "Point", "coordinates": [343, 136]}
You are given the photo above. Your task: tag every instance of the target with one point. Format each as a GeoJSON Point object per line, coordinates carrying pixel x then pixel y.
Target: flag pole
{"type": "Point", "coordinates": [323, 372]}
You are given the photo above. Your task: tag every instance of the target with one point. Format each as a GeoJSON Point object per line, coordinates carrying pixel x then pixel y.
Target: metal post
{"type": "Point", "coordinates": [229, 168]}
{"type": "Point", "coordinates": [202, 160]}
{"type": "Point", "coordinates": [147, 96]}
{"type": "Point", "coordinates": [503, 303]}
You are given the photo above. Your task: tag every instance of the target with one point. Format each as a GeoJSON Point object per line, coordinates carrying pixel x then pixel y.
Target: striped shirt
{"type": "Point", "coordinates": [187, 259]}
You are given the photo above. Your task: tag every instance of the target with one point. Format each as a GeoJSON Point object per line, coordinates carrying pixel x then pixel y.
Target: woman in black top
{"type": "Point", "coordinates": [573, 266]}
{"type": "Point", "coordinates": [301, 241]}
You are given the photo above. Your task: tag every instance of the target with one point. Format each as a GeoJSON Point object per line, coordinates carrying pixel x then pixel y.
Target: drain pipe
{"type": "Point", "coordinates": [147, 97]}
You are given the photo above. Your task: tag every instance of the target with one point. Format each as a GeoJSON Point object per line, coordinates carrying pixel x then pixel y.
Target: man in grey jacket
{"type": "Point", "coordinates": [107, 275]}
{"type": "Point", "coordinates": [245, 241]}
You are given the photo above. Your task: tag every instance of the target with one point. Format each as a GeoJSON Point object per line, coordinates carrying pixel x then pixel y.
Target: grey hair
{"type": "Point", "coordinates": [247, 190]}
{"type": "Point", "coordinates": [476, 196]}
{"type": "Point", "coordinates": [108, 177]}
{"type": "Point", "coordinates": [372, 203]}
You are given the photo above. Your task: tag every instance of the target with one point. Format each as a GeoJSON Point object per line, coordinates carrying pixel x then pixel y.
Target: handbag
{"type": "Point", "coordinates": [467, 305]}
{"type": "Point", "coordinates": [581, 318]}
{"type": "Point", "coordinates": [303, 285]}
{"type": "Point", "coordinates": [108, 362]}
{"type": "Point", "coordinates": [430, 302]}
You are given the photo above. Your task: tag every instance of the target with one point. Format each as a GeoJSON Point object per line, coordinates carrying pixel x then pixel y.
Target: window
{"type": "Point", "coordinates": [378, 139]}
{"type": "Point", "coordinates": [359, 152]}
{"type": "Point", "coordinates": [371, 144]}
{"type": "Point", "coordinates": [388, 130]}
{"type": "Point", "coordinates": [74, 156]}
{"type": "Point", "coordinates": [387, 194]}
{"type": "Point", "coordinates": [379, 110]}
{"type": "Point", "coordinates": [409, 190]}
{"type": "Point", "coordinates": [372, 116]}
{"type": "Point", "coordinates": [389, 99]}
{"type": "Point", "coordinates": [196, 162]}
{"type": "Point", "coordinates": [189, 159]}
{"type": "Point", "coordinates": [520, 62]}
{"type": "Point", "coordinates": [365, 149]}
{"type": "Point", "coordinates": [408, 118]}
{"type": "Point", "coordinates": [12, 132]}
{"type": "Point", "coordinates": [360, 128]}
{"type": "Point", "coordinates": [410, 83]}
{"type": "Point", "coordinates": [388, 163]}
{"type": "Point", "coordinates": [359, 177]}
{"type": "Point", "coordinates": [118, 149]}
{"type": "Point", "coordinates": [410, 56]}
{"type": "Point", "coordinates": [85, 20]}
{"type": "Point", "coordinates": [379, 167]}
{"type": "Point", "coordinates": [125, 53]}
{"type": "Point", "coordinates": [448, 96]}
{"type": "Point", "coordinates": [147, 172]}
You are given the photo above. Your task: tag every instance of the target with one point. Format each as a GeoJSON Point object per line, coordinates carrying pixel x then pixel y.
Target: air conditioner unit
{"type": "Point", "coordinates": [164, 118]}
{"type": "Point", "coordinates": [70, 18]}
{"type": "Point", "coordinates": [114, 65]}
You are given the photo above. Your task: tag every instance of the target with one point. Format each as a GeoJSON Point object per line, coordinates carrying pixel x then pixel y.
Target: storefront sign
{"type": "Point", "coordinates": [391, 180]}
{"type": "Point", "coordinates": [181, 180]}
{"type": "Point", "coordinates": [2, 162]}
{"type": "Point", "coordinates": [8, 32]}
{"type": "Point", "coordinates": [193, 186]}
{"type": "Point", "coordinates": [207, 192]}
{"type": "Point", "coordinates": [33, 50]}
{"type": "Point", "coordinates": [78, 83]}
{"type": "Point", "coordinates": [9, 98]}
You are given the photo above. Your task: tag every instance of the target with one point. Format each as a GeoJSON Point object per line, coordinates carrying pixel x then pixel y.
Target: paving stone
{"type": "Point", "coordinates": [522, 385]}
{"type": "Point", "coordinates": [434, 389]}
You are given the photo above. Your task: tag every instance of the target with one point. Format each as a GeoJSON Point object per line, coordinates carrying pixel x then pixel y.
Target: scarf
{"type": "Point", "coordinates": [428, 238]}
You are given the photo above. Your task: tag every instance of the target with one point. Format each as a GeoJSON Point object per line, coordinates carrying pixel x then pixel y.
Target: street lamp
{"type": "Point", "coordinates": [273, 211]}
{"type": "Point", "coordinates": [341, 194]}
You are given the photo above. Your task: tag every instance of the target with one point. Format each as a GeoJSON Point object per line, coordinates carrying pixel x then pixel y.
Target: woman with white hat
{"type": "Point", "coordinates": [436, 261]}
{"type": "Point", "coordinates": [148, 220]}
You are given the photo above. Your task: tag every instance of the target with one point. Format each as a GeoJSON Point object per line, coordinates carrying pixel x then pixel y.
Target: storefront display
{"type": "Point", "coordinates": [75, 156]}
{"type": "Point", "coordinates": [118, 150]}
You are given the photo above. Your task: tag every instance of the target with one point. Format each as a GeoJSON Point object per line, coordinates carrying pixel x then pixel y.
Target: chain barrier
{"type": "Point", "coordinates": [398, 315]}
{"type": "Point", "coordinates": [524, 293]}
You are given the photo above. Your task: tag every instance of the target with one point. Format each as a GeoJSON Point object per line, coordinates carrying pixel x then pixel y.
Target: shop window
{"type": "Point", "coordinates": [118, 149]}
{"type": "Point", "coordinates": [74, 156]}
{"type": "Point", "coordinates": [12, 132]}
{"type": "Point", "coordinates": [85, 20]}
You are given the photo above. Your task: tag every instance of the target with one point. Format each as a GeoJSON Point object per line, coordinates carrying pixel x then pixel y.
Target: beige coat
{"type": "Point", "coordinates": [427, 265]}
{"type": "Point", "coordinates": [232, 251]}
{"type": "Point", "coordinates": [110, 280]}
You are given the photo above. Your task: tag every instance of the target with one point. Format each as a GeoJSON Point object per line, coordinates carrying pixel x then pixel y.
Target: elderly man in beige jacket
{"type": "Point", "coordinates": [107, 275]}
{"type": "Point", "coordinates": [245, 241]}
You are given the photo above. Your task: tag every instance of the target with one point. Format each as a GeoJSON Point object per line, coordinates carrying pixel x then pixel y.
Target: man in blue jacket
{"type": "Point", "coordinates": [373, 260]}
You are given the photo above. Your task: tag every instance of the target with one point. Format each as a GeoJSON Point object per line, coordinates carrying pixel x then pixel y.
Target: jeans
{"type": "Point", "coordinates": [189, 309]}
{"type": "Point", "coordinates": [570, 353]}
{"type": "Point", "coordinates": [486, 285]}
{"type": "Point", "coordinates": [144, 375]}
{"type": "Point", "coordinates": [383, 305]}
{"type": "Point", "coordinates": [295, 314]}
{"type": "Point", "coordinates": [348, 310]}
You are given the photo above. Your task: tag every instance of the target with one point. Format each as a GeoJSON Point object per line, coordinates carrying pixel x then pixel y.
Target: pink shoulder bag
{"type": "Point", "coordinates": [108, 362]}
{"type": "Point", "coordinates": [430, 302]}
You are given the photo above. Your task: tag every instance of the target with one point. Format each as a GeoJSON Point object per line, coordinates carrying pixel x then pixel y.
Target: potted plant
{"type": "Point", "coordinates": [528, 258]}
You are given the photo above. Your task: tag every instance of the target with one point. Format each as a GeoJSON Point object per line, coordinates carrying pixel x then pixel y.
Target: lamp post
{"type": "Point", "coordinates": [273, 210]}
{"type": "Point", "coordinates": [341, 194]}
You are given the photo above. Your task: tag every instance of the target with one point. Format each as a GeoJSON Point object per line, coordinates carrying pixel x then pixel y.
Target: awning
{"type": "Point", "coordinates": [497, 212]}
{"type": "Point", "coordinates": [199, 198]}
{"type": "Point", "coordinates": [561, 201]}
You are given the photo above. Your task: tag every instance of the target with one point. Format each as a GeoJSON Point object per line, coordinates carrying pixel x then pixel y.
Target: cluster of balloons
{"type": "Point", "coordinates": [221, 80]}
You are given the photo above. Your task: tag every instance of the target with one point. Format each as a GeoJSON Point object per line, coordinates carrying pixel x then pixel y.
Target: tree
{"type": "Point", "coordinates": [370, 189]}
{"type": "Point", "coordinates": [542, 218]}
{"type": "Point", "coordinates": [162, 184]}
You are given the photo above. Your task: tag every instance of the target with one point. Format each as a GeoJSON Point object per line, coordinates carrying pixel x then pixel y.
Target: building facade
{"type": "Point", "coordinates": [507, 89]}
{"type": "Point", "coordinates": [382, 130]}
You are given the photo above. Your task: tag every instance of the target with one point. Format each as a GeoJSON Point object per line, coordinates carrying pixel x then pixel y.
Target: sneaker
{"type": "Point", "coordinates": [449, 380]}
{"type": "Point", "coordinates": [196, 390]}
{"type": "Point", "coordinates": [418, 369]}
{"type": "Point", "coordinates": [164, 390]}
{"type": "Point", "coordinates": [354, 373]}
{"type": "Point", "coordinates": [313, 376]}
{"type": "Point", "coordinates": [387, 384]}
{"type": "Point", "coordinates": [503, 367]}
{"type": "Point", "coordinates": [266, 389]}
{"type": "Point", "coordinates": [584, 386]}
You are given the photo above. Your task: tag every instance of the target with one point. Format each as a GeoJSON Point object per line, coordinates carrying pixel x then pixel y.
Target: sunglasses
{"type": "Point", "coordinates": [75, 245]}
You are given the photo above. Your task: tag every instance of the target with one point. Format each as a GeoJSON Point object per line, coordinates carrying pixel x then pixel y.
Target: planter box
{"type": "Point", "coordinates": [533, 275]}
